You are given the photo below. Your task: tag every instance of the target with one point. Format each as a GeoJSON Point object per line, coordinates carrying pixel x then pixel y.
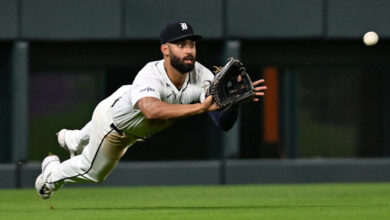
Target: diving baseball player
{"type": "Point", "coordinates": [162, 92]}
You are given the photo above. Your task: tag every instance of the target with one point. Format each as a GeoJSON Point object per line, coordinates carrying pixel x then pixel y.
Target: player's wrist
{"type": "Point", "coordinates": [202, 108]}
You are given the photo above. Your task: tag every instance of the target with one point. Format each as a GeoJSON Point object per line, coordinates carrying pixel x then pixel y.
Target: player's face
{"type": "Point", "coordinates": [182, 55]}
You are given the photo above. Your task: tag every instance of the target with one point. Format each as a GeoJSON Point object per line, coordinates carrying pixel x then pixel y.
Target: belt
{"type": "Point", "coordinates": [121, 133]}
{"type": "Point", "coordinates": [116, 129]}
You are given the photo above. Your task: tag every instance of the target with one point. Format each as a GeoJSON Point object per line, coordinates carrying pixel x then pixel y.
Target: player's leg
{"type": "Point", "coordinates": [97, 160]}
{"type": "Point", "coordinates": [74, 141]}
{"type": "Point", "coordinates": [95, 163]}
{"type": "Point", "coordinates": [76, 166]}
{"type": "Point", "coordinates": [48, 164]}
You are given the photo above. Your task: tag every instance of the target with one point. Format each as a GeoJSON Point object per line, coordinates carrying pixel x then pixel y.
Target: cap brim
{"type": "Point", "coordinates": [189, 36]}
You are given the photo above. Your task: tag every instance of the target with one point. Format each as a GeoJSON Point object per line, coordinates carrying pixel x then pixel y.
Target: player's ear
{"type": "Point", "coordinates": [164, 49]}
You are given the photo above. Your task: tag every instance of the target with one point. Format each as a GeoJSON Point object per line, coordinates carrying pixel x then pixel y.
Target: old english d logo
{"type": "Point", "coordinates": [183, 26]}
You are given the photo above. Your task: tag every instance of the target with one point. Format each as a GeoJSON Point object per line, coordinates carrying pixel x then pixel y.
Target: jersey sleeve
{"type": "Point", "coordinates": [147, 83]}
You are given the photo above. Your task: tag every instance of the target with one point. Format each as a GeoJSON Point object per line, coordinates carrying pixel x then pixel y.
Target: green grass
{"type": "Point", "coordinates": [306, 201]}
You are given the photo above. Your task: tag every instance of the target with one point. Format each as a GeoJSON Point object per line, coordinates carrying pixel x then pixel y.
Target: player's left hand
{"type": "Point", "coordinates": [259, 89]}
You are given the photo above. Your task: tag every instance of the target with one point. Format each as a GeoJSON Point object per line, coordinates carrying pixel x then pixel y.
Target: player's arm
{"type": "Point", "coordinates": [153, 108]}
{"type": "Point", "coordinates": [224, 118]}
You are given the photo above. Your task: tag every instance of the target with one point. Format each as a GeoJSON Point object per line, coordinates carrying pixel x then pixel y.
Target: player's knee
{"type": "Point", "coordinates": [99, 180]}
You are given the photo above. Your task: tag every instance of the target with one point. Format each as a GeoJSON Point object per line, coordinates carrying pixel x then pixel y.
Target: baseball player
{"type": "Point", "coordinates": [162, 92]}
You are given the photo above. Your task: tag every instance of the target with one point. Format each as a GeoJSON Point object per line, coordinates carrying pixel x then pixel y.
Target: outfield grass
{"type": "Point", "coordinates": [305, 201]}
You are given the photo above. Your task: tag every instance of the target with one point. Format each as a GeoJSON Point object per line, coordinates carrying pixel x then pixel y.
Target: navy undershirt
{"type": "Point", "coordinates": [225, 118]}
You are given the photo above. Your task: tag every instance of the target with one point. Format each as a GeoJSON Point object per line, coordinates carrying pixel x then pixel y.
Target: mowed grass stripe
{"type": "Point", "coordinates": [302, 201]}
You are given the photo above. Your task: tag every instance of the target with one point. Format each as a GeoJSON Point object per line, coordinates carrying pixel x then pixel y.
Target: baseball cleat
{"type": "Point", "coordinates": [40, 185]}
{"type": "Point", "coordinates": [48, 164]}
{"type": "Point", "coordinates": [62, 142]}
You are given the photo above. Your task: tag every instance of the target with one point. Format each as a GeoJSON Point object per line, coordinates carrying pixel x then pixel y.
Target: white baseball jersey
{"type": "Point", "coordinates": [153, 81]}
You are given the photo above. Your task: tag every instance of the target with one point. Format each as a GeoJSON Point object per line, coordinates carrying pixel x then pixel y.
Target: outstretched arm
{"type": "Point", "coordinates": [225, 118]}
{"type": "Point", "coordinates": [153, 108]}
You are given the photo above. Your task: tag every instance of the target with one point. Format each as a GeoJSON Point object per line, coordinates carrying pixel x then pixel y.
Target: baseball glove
{"type": "Point", "coordinates": [231, 85]}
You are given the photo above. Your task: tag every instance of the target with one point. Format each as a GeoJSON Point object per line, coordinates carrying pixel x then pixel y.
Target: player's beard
{"type": "Point", "coordinates": [179, 64]}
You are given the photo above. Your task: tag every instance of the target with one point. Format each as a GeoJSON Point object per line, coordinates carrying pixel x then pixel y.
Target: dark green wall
{"type": "Point", "coordinates": [274, 18]}
{"type": "Point", "coordinates": [120, 36]}
{"type": "Point", "coordinates": [209, 172]}
{"type": "Point", "coordinates": [217, 19]}
{"type": "Point", "coordinates": [350, 19]}
{"type": "Point", "coordinates": [145, 18]}
{"type": "Point", "coordinates": [71, 19]}
{"type": "Point", "coordinates": [8, 19]}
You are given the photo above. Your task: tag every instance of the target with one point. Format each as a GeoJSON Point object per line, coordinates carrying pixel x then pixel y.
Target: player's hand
{"type": "Point", "coordinates": [209, 105]}
{"type": "Point", "coordinates": [258, 86]}
{"type": "Point", "coordinates": [259, 89]}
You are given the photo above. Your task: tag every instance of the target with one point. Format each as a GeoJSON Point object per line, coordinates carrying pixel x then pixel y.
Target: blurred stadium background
{"type": "Point", "coordinates": [325, 117]}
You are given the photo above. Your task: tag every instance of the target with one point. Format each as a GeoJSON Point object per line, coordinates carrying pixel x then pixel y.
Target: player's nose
{"type": "Point", "coordinates": [188, 50]}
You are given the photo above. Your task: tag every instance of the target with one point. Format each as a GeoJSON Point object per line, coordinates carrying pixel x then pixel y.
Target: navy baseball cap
{"type": "Point", "coordinates": [176, 31]}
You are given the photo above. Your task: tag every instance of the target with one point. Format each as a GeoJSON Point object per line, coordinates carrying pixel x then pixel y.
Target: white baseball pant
{"type": "Point", "coordinates": [105, 148]}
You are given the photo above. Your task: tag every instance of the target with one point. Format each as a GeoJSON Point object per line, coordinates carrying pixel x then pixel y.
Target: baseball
{"type": "Point", "coordinates": [370, 38]}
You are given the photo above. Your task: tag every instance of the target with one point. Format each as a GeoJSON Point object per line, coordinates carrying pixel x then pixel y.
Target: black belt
{"type": "Point", "coordinates": [116, 129]}
{"type": "Point", "coordinates": [121, 133]}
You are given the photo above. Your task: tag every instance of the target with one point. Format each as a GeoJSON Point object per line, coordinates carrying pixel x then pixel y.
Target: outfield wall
{"type": "Point", "coordinates": [139, 19]}
{"type": "Point", "coordinates": [108, 41]}
{"type": "Point", "coordinates": [220, 172]}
